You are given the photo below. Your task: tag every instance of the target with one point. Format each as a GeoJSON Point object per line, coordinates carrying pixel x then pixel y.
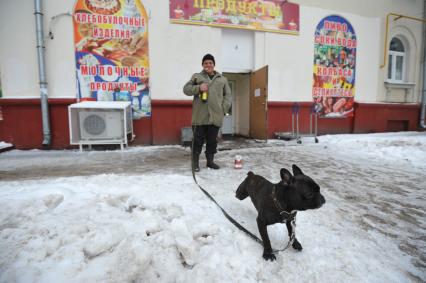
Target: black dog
{"type": "Point", "coordinates": [279, 202]}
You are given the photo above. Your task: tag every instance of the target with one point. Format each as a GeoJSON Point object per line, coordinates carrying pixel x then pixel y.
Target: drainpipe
{"type": "Point", "coordinates": [42, 74]}
{"type": "Point", "coordinates": [423, 100]}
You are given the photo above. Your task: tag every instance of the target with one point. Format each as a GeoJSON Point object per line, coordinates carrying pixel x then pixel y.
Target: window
{"type": "Point", "coordinates": [396, 64]}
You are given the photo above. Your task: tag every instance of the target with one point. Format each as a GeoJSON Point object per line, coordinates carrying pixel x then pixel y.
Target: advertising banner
{"type": "Point", "coordinates": [263, 15]}
{"type": "Point", "coordinates": [111, 52]}
{"type": "Point", "coordinates": [334, 67]}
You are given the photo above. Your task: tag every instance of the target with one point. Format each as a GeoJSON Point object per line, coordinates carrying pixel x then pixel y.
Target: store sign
{"type": "Point", "coordinates": [111, 52]}
{"type": "Point", "coordinates": [263, 15]}
{"type": "Point", "coordinates": [334, 67]}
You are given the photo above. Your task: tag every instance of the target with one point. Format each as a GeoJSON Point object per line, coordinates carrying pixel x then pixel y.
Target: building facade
{"type": "Point", "coordinates": [282, 68]}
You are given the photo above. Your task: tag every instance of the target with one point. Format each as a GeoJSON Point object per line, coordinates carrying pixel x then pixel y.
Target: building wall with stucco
{"type": "Point", "coordinates": [175, 52]}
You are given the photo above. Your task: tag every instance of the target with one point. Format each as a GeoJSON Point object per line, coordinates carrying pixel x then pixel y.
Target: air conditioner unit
{"type": "Point", "coordinates": [100, 122]}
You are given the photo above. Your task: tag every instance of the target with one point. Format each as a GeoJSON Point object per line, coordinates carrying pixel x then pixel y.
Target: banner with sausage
{"type": "Point", "coordinates": [111, 52]}
{"type": "Point", "coordinates": [334, 68]}
{"type": "Point", "coordinates": [262, 15]}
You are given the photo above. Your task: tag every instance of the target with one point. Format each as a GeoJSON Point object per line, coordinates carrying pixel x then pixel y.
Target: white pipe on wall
{"type": "Point", "coordinates": [42, 74]}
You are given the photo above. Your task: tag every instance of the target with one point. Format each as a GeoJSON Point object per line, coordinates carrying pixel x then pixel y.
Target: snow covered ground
{"type": "Point", "coordinates": [137, 216]}
{"type": "Point", "coordinates": [4, 145]}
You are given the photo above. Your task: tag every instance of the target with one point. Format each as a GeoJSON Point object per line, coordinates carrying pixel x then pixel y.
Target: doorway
{"type": "Point", "coordinates": [228, 126]}
{"type": "Point", "coordinates": [237, 123]}
{"type": "Point", "coordinates": [249, 88]}
{"type": "Point", "coordinates": [248, 115]}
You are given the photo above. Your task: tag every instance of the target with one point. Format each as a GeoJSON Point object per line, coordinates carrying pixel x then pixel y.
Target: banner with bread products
{"type": "Point", "coordinates": [111, 52]}
{"type": "Point", "coordinates": [263, 15]}
{"type": "Point", "coordinates": [333, 88]}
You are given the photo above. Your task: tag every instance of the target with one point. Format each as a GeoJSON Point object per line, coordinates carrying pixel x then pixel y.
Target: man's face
{"type": "Point", "coordinates": [208, 66]}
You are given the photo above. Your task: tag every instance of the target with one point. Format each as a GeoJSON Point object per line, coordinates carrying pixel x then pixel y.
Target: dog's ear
{"type": "Point", "coordinates": [286, 176]}
{"type": "Point", "coordinates": [296, 170]}
{"type": "Point", "coordinates": [250, 173]}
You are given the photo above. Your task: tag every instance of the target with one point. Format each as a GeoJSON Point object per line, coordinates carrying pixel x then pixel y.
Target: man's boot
{"type": "Point", "coordinates": [210, 162]}
{"type": "Point", "coordinates": [195, 162]}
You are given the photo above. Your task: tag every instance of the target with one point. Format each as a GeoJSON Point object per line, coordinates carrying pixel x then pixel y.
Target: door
{"type": "Point", "coordinates": [258, 104]}
{"type": "Point", "coordinates": [228, 127]}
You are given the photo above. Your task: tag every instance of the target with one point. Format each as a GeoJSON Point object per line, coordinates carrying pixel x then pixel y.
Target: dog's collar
{"type": "Point", "coordinates": [287, 216]}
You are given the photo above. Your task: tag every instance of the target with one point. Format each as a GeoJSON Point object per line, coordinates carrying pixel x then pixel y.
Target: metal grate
{"type": "Point", "coordinates": [94, 124]}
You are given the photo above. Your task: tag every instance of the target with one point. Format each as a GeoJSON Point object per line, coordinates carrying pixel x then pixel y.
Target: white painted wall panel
{"type": "Point", "coordinates": [237, 50]}
{"type": "Point", "coordinates": [18, 55]}
{"type": "Point", "coordinates": [176, 50]}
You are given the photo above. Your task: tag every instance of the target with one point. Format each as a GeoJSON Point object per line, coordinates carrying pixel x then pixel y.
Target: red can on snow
{"type": "Point", "coordinates": [238, 163]}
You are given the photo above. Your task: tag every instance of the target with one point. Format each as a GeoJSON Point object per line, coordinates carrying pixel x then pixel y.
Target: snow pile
{"type": "Point", "coordinates": [159, 227]}
{"type": "Point", "coordinates": [5, 145]}
{"type": "Point", "coordinates": [406, 147]}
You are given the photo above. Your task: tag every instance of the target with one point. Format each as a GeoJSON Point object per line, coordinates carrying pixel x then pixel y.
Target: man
{"type": "Point", "coordinates": [212, 100]}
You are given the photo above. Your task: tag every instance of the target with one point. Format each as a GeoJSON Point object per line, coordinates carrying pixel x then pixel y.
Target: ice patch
{"type": "Point", "coordinates": [53, 200]}
{"type": "Point", "coordinates": [102, 241]}
{"type": "Point", "coordinates": [184, 242]}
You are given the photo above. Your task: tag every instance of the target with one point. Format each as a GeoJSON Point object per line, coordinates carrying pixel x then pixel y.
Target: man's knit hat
{"type": "Point", "coordinates": [208, 57]}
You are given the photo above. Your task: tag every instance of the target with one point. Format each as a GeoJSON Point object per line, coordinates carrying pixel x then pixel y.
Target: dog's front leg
{"type": "Point", "coordinates": [267, 249]}
{"type": "Point", "coordinates": [296, 245]}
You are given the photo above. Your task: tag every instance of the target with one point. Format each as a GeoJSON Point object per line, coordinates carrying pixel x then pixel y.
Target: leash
{"type": "Point", "coordinates": [232, 220]}
{"type": "Point", "coordinates": [287, 216]}
{"type": "Point", "coordinates": [292, 236]}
